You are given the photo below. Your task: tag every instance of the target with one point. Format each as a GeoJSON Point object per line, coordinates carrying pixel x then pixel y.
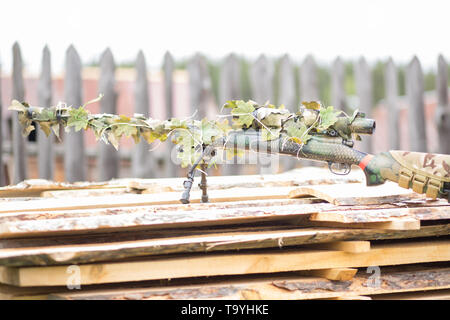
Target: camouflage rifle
{"type": "Point", "coordinates": [314, 132]}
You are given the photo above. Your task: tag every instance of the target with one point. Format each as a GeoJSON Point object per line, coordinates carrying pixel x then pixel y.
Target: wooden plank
{"type": "Point", "coordinates": [74, 154]}
{"type": "Point", "coordinates": [232, 194]}
{"type": "Point", "coordinates": [46, 158]}
{"type": "Point", "coordinates": [59, 250]}
{"type": "Point", "coordinates": [383, 215]}
{"type": "Point", "coordinates": [352, 298]}
{"type": "Point", "coordinates": [34, 187]}
{"type": "Point", "coordinates": [391, 89]}
{"type": "Point", "coordinates": [363, 82]}
{"type": "Point", "coordinates": [108, 157]}
{"type": "Point", "coordinates": [427, 295]}
{"type": "Point", "coordinates": [443, 107]}
{"type": "Point", "coordinates": [338, 98]}
{"type": "Point", "coordinates": [337, 274]}
{"type": "Point", "coordinates": [18, 141]}
{"type": "Point", "coordinates": [229, 264]}
{"type": "Point", "coordinates": [355, 193]}
{"type": "Point", "coordinates": [141, 159]}
{"type": "Point", "coordinates": [396, 224]}
{"type": "Point", "coordinates": [297, 177]}
{"type": "Point", "coordinates": [279, 287]}
{"type": "Point", "coordinates": [416, 113]}
{"type": "Point", "coordinates": [145, 219]}
{"type": "Point", "coordinates": [86, 192]}
{"type": "Point", "coordinates": [346, 246]}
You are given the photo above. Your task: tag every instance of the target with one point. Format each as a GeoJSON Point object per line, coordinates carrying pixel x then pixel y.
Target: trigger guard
{"type": "Point", "coordinates": [347, 167]}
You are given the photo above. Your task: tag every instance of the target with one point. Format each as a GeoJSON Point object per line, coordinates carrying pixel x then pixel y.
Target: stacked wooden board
{"type": "Point", "coordinates": [305, 234]}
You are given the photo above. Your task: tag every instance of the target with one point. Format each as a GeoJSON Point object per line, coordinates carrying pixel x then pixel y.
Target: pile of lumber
{"type": "Point", "coordinates": [305, 234]}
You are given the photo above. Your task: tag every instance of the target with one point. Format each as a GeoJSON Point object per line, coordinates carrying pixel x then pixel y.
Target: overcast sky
{"type": "Point", "coordinates": [375, 29]}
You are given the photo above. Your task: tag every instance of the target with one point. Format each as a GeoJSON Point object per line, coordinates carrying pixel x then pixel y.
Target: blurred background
{"type": "Point", "coordinates": [176, 58]}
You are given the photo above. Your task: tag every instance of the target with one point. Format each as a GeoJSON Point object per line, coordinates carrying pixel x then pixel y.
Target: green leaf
{"type": "Point", "coordinates": [298, 132]}
{"type": "Point", "coordinates": [267, 135]}
{"type": "Point", "coordinates": [314, 105]}
{"type": "Point", "coordinates": [328, 117]}
{"type": "Point", "coordinates": [46, 127]}
{"type": "Point", "coordinates": [243, 112]}
{"type": "Point", "coordinates": [17, 106]}
{"type": "Point", "coordinates": [231, 104]}
{"type": "Point", "coordinates": [78, 118]}
{"type": "Point", "coordinates": [209, 131]}
{"type": "Point", "coordinates": [353, 117]}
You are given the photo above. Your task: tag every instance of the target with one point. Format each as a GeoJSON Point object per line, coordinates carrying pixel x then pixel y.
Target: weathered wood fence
{"type": "Point", "coordinates": [263, 80]}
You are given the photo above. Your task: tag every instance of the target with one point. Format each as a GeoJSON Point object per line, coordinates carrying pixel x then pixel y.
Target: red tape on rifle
{"type": "Point", "coordinates": [365, 161]}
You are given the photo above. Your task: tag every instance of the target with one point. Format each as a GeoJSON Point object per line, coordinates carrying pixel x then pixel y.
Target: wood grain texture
{"type": "Point", "coordinates": [337, 274]}
{"type": "Point", "coordinates": [346, 246]}
{"type": "Point", "coordinates": [286, 288]}
{"type": "Point", "coordinates": [54, 251]}
{"type": "Point", "coordinates": [144, 218]}
{"type": "Point", "coordinates": [354, 193]}
{"type": "Point", "coordinates": [129, 200]}
{"type": "Point", "coordinates": [229, 264]}
{"type": "Point", "coordinates": [425, 280]}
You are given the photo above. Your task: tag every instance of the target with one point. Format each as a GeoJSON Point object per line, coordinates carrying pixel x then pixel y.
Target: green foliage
{"type": "Point", "coordinates": [190, 135]}
{"type": "Point", "coordinates": [328, 117]}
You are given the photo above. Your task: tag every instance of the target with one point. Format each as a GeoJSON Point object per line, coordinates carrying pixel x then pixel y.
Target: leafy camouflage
{"type": "Point", "coordinates": [190, 135]}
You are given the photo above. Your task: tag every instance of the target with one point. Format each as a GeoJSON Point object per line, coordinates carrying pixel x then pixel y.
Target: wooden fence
{"type": "Point", "coordinates": [262, 80]}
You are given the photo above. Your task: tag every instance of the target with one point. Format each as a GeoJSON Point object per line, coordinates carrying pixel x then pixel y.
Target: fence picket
{"type": "Point", "coordinates": [392, 108]}
{"type": "Point", "coordinates": [230, 79]}
{"type": "Point", "coordinates": [443, 108]}
{"type": "Point", "coordinates": [199, 85]}
{"type": "Point", "coordinates": [338, 97]}
{"type": "Point", "coordinates": [2, 166]}
{"type": "Point", "coordinates": [309, 82]}
{"type": "Point", "coordinates": [18, 141]}
{"type": "Point", "coordinates": [108, 159]}
{"type": "Point", "coordinates": [261, 80]}
{"type": "Point", "coordinates": [75, 163]}
{"type": "Point", "coordinates": [45, 144]}
{"type": "Point", "coordinates": [168, 68]}
{"type": "Point", "coordinates": [287, 96]}
{"type": "Point", "coordinates": [363, 81]}
{"type": "Point", "coordinates": [141, 159]}
{"type": "Point", "coordinates": [416, 113]}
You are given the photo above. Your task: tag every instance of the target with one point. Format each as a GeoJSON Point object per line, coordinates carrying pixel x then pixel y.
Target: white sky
{"type": "Point", "coordinates": [375, 29]}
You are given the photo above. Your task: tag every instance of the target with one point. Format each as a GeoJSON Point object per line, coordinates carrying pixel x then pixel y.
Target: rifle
{"type": "Point", "coordinates": [314, 132]}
